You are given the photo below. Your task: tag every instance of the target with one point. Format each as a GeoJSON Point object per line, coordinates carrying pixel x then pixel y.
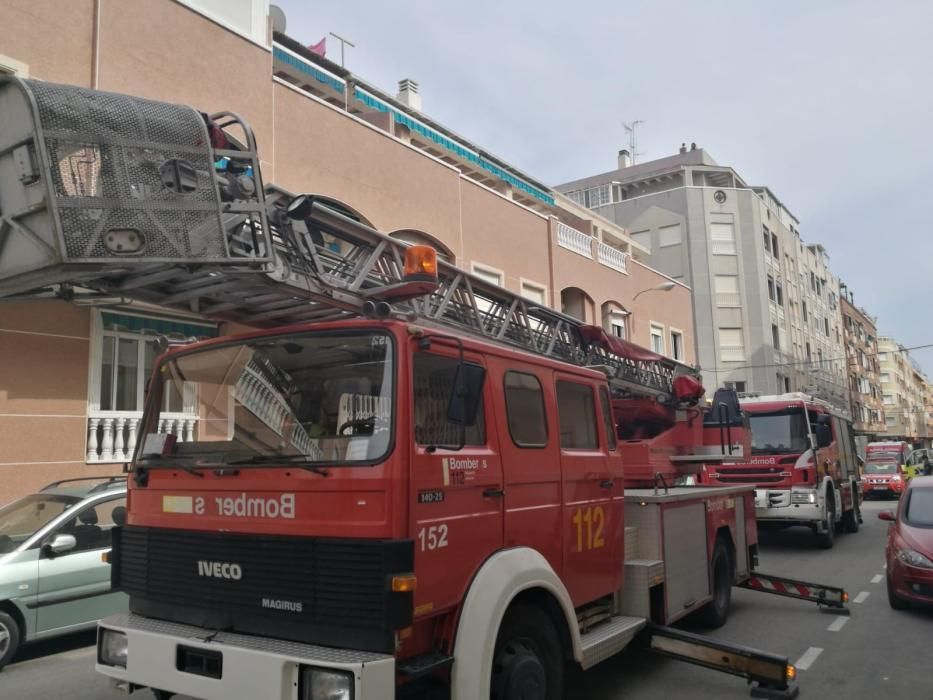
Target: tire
{"type": "Point", "coordinates": [894, 600]}
{"type": "Point", "coordinates": [850, 518]}
{"type": "Point", "coordinates": [9, 638]}
{"type": "Point", "coordinates": [715, 613]}
{"type": "Point", "coordinates": [528, 663]}
{"type": "Point", "coordinates": [827, 538]}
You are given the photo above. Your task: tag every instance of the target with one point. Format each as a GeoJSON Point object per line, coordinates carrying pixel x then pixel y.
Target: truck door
{"type": "Point", "coordinates": [456, 495]}
{"type": "Point", "coordinates": [588, 518]}
{"type": "Point", "coordinates": [531, 462]}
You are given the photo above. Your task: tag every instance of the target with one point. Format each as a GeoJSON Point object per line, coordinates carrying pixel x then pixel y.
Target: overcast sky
{"type": "Point", "coordinates": [829, 103]}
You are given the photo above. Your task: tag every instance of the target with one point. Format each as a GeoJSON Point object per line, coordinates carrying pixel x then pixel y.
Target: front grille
{"type": "Point", "coordinates": [309, 589]}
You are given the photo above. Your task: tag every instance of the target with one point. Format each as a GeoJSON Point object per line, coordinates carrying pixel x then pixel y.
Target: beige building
{"type": "Point", "coordinates": [72, 387]}
{"type": "Point", "coordinates": [906, 394]}
{"type": "Point", "coordinates": [865, 393]}
{"type": "Point", "coordinates": [766, 304]}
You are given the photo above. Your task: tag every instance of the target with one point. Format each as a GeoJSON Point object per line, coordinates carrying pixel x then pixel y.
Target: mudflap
{"type": "Point", "coordinates": [769, 675]}
{"type": "Point", "coordinates": [830, 599]}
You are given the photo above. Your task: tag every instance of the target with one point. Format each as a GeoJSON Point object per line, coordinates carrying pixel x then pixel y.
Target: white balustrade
{"type": "Point", "coordinates": [611, 257]}
{"type": "Point", "coordinates": [112, 435]}
{"type": "Point", "coordinates": [574, 240]}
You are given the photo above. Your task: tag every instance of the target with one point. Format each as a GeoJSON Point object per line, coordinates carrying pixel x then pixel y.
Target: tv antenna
{"type": "Point", "coordinates": [630, 128]}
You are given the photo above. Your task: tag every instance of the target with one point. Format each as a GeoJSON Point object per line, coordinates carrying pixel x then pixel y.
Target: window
{"type": "Point", "coordinates": [608, 419]}
{"type": "Point", "coordinates": [722, 236]}
{"type": "Point", "coordinates": [677, 345]}
{"type": "Point", "coordinates": [524, 406]}
{"type": "Point", "coordinates": [432, 385]}
{"type": "Point", "coordinates": [488, 274]}
{"type": "Point", "coordinates": [657, 338]}
{"type": "Point", "coordinates": [888, 400]}
{"type": "Point", "coordinates": [731, 345]}
{"type": "Point", "coordinates": [534, 292]}
{"type": "Point", "coordinates": [576, 196]}
{"type": "Point", "coordinates": [737, 387]}
{"type": "Point", "coordinates": [643, 238]}
{"type": "Point", "coordinates": [786, 385]}
{"type": "Point", "coordinates": [882, 357]}
{"type": "Point", "coordinates": [774, 247]}
{"type": "Point", "coordinates": [598, 196]}
{"type": "Point", "coordinates": [726, 288]}
{"type": "Point", "coordinates": [779, 294]}
{"type": "Point", "coordinates": [669, 235]}
{"type": "Point", "coordinates": [577, 416]}
{"type": "Point", "coordinates": [885, 377]}
{"type": "Point", "coordinates": [826, 326]}
{"type": "Point", "coordinates": [770, 288]}
{"type": "Point", "coordinates": [806, 318]}
{"type": "Point", "coordinates": [92, 526]}
{"type": "Point", "coordinates": [617, 324]}
{"type": "Point", "coordinates": [775, 337]}
{"type": "Point", "coordinates": [766, 234]}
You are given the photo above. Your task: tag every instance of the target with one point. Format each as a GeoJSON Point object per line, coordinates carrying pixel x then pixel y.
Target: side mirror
{"type": "Point", "coordinates": [824, 436]}
{"type": "Point", "coordinates": [464, 400]}
{"type": "Point", "coordinates": [61, 544]}
{"type": "Point", "coordinates": [887, 515]}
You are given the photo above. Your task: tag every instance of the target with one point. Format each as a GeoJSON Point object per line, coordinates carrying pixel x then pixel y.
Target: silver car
{"type": "Point", "coordinates": [53, 579]}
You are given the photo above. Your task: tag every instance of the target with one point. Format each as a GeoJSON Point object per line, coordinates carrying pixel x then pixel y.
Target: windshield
{"type": "Point", "coordinates": [781, 431]}
{"type": "Point", "coordinates": [920, 507]}
{"type": "Point", "coordinates": [881, 468]}
{"type": "Point", "coordinates": [312, 398]}
{"type": "Point", "coordinates": [21, 519]}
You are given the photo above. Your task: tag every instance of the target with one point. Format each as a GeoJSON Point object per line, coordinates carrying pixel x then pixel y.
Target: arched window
{"type": "Point", "coordinates": [577, 303]}
{"type": "Point", "coordinates": [615, 319]}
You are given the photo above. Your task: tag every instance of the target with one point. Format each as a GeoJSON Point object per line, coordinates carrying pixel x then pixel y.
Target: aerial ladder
{"type": "Point", "coordinates": [120, 199]}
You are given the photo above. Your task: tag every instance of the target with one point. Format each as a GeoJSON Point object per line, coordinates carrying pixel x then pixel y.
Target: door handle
{"type": "Point", "coordinates": [606, 484]}
{"type": "Point", "coordinates": [493, 493]}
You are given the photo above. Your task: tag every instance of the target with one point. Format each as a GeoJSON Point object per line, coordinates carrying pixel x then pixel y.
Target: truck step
{"type": "Point", "coordinates": [424, 664]}
{"type": "Point", "coordinates": [609, 638]}
{"type": "Point", "coordinates": [631, 543]}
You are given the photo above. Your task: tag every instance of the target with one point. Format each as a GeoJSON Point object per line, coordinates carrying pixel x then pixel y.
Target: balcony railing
{"type": "Point", "coordinates": [112, 435]}
{"type": "Point", "coordinates": [574, 240]}
{"type": "Point", "coordinates": [611, 257]}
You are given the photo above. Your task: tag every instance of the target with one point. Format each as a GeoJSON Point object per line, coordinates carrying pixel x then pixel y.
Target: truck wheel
{"type": "Point", "coordinates": [894, 600]}
{"type": "Point", "coordinates": [9, 638]}
{"type": "Point", "coordinates": [528, 663]}
{"type": "Point", "coordinates": [851, 518]}
{"type": "Point", "coordinates": [715, 613]}
{"type": "Point", "coordinates": [826, 538]}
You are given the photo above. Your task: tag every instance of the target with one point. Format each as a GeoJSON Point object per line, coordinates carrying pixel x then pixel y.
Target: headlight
{"type": "Point", "coordinates": [912, 558]}
{"type": "Point", "coordinates": [325, 684]}
{"type": "Point", "coordinates": [112, 648]}
{"type": "Point", "coordinates": [803, 497]}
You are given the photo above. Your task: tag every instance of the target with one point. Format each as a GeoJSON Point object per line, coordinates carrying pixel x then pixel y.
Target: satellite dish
{"type": "Point", "coordinates": [277, 16]}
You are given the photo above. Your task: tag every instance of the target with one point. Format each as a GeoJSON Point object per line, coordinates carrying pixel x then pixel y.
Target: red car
{"type": "Point", "coordinates": [884, 479]}
{"type": "Point", "coordinates": [909, 552]}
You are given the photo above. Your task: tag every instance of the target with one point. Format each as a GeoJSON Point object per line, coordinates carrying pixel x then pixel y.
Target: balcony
{"type": "Point", "coordinates": [573, 240]}
{"type": "Point", "coordinates": [611, 257]}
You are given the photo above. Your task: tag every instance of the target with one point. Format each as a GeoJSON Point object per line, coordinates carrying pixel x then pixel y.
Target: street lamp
{"type": "Point", "coordinates": [663, 287]}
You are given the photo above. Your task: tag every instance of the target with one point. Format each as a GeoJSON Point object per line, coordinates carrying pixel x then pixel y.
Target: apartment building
{"type": "Point", "coordinates": [765, 303]}
{"type": "Point", "coordinates": [906, 394]}
{"type": "Point", "coordinates": [865, 393]}
{"type": "Point", "coordinates": [74, 376]}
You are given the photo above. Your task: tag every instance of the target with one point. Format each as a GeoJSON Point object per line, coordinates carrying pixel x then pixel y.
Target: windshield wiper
{"type": "Point", "coordinates": [183, 463]}
{"type": "Point", "coordinates": [192, 465]}
{"type": "Point", "coordinates": [272, 461]}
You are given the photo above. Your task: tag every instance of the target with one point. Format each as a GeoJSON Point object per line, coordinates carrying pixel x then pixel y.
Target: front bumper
{"type": "Point", "coordinates": [912, 583]}
{"type": "Point", "coordinates": [252, 667]}
{"type": "Point", "coordinates": [882, 488]}
{"type": "Point", "coordinates": [777, 505]}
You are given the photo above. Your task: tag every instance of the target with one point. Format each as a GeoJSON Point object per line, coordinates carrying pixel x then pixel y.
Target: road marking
{"type": "Point", "coordinates": [861, 597]}
{"type": "Point", "coordinates": [838, 623]}
{"type": "Point", "coordinates": [877, 578]}
{"type": "Point", "coordinates": [808, 659]}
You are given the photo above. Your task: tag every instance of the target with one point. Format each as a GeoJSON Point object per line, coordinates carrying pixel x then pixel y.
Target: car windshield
{"type": "Point", "coordinates": [780, 431]}
{"type": "Point", "coordinates": [23, 518]}
{"type": "Point", "coordinates": [322, 397]}
{"type": "Point", "coordinates": [920, 507]}
{"type": "Point", "coordinates": [881, 468]}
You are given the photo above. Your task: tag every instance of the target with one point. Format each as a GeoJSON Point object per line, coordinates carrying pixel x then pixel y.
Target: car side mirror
{"type": "Point", "coordinates": [61, 544]}
{"type": "Point", "coordinates": [886, 515]}
{"type": "Point", "coordinates": [824, 435]}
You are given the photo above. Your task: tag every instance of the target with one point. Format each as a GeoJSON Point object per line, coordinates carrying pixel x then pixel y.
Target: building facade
{"type": "Point", "coordinates": [766, 305]}
{"type": "Point", "coordinates": [74, 376]}
{"type": "Point", "coordinates": [865, 392]}
{"type": "Point", "coordinates": [906, 394]}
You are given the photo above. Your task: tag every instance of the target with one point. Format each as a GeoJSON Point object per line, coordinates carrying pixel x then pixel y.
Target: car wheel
{"type": "Point", "coordinates": [715, 613]}
{"type": "Point", "coordinates": [894, 600]}
{"type": "Point", "coordinates": [528, 663]}
{"type": "Point", "coordinates": [827, 538]}
{"type": "Point", "coordinates": [9, 638]}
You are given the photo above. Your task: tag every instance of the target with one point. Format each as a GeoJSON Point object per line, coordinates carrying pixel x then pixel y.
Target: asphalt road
{"type": "Point", "coordinates": [875, 653]}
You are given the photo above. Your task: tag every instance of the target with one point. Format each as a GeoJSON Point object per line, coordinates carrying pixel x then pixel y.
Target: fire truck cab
{"type": "Point", "coordinates": [803, 465]}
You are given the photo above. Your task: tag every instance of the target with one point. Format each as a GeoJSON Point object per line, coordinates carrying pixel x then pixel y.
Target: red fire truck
{"type": "Point", "coordinates": [406, 482]}
{"type": "Point", "coordinates": [803, 465]}
{"type": "Point", "coordinates": [885, 470]}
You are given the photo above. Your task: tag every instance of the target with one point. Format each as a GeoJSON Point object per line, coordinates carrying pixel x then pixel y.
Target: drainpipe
{"type": "Point", "coordinates": [95, 40]}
